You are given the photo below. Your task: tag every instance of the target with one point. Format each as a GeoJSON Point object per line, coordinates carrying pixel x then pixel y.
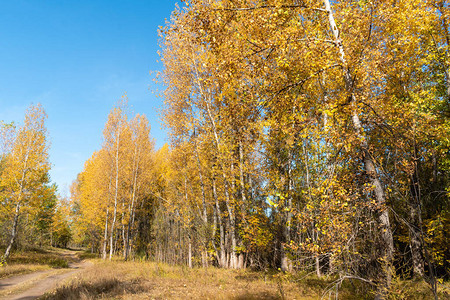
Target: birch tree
{"type": "Point", "coordinates": [26, 167]}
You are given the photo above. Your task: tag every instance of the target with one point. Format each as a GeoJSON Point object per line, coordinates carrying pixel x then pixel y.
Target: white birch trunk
{"type": "Point", "coordinates": [384, 221]}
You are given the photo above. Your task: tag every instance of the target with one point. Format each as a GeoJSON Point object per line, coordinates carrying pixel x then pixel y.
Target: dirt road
{"type": "Point", "coordinates": [34, 285]}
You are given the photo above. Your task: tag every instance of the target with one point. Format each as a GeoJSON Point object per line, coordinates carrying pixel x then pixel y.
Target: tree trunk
{"type": "Point", "coordinates": [13, 232]}
{"type": "Point", "coordinates": [213, 234]}
{"type": "Point", "coordinates": [232, 225]}
{"type": "Point", "coordinates": [416, 246]}
{"type": "Point", "coordinates": [130, 234]}
{"type": "Point", "coordinates": [202, 186]}
{"type": "Point", "coordinates": [286, 264]}
{"type": "Point", "coordinates": [240, 260]}
{"type": "Point", "coordinates": [220, 224]}
{"type": "Point", "coordinates": [243, 205]}
{"type": "Point", "coordinates": [232, 213]}
{"type": "Point", "coordinates": [317, 263]}
{"type": "Point", "coordinates": [415, 223]}
{"type": "Point", "coordinates": [190, 253]}
{"type": "Point", "coordinates": [116, 194]}
{"type": "Point", "coordinates": [232, 221]}
{"type": "Point", "coordinates": [314, 231]}
{"type": "Point", "coordinates": [16, 215]}
{"type": "Point", "coordinates": [105, 239]}
{"type": "Point", "coordinates": [124, 233]}
{"type": "Point", "coordinates": [204, 214]}
{"type": "Point", "coordinates": [383, 218]}
{"type": "Point", "coordinates": [127, 245]}
{"type": "Point", "coordinates": [111, 238]}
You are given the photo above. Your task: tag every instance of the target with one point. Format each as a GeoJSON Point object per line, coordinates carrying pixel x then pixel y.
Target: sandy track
{"type": "Point", "coordinates": [34, 285]}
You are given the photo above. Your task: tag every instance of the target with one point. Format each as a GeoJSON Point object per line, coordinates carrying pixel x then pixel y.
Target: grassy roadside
{"type": "Point", "coordinates": [150, 280]}
{"type": "Point", "coordinates": [34, 259]}
{"type": "Point", "coordinates": [20, 269]}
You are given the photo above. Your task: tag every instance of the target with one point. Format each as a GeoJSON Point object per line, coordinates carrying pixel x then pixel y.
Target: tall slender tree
{"type": "Point", "coordinates": [26, 167]}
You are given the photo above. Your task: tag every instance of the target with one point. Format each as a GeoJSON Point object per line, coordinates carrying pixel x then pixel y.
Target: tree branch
{"type": "Point", "coordinates": [271, 7]}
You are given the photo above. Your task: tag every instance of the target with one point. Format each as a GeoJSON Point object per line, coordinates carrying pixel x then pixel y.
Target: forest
{"type": "Point", "coordinates": [305, 137]}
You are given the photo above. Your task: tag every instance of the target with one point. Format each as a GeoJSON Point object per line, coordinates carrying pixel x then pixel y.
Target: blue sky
{"type": "Point", "coordinates": [77, 58]}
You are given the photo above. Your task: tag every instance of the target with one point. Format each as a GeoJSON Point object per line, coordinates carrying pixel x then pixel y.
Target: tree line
{"type": "Point", "coordinates": [31, 211]}
{"type": "Point", "coordinates": [304, 135]}
{"type": "Point", "coordinates": [309, 135]}
{"type": "Point", "coordinates": [115, 185]}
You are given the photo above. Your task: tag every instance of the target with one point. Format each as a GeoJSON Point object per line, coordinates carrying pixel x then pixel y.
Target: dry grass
{"type": "Point", "coordinates": [148, 280]}
{"type": "Point", "coordinates": [417, 289]}
{"type": "Point", "coordinates": [19, 269]}
{"type": "Point", "coordinates": [34, 259]}
{"type": "Point", "coordinates": [51, 257]}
